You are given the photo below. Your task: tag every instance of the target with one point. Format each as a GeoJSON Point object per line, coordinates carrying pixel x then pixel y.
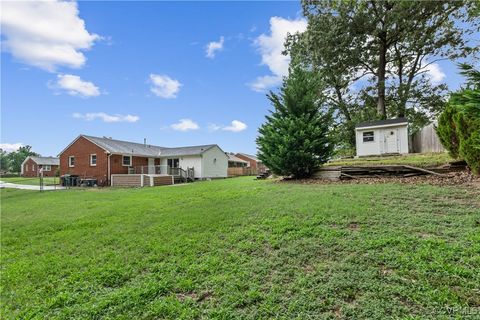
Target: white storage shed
{"type": "Point", "coordinates": [382, 137]}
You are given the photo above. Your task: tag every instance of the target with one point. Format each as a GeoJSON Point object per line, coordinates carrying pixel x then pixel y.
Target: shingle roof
{"type": "Point", "coordinates": [234, 158]}
{"type": "Point", "coordinates": [140, 149]}
{"type": "Point", "coordinates": [381, 122]}
{"type": "Point", "coordinates": [250, 156]}
{"type": "Point", "coordinates": [185, 151]}
{"type": "Point", "coordinates": [52, 161]}
{"type": "Point", "coordinates": [125, 147]}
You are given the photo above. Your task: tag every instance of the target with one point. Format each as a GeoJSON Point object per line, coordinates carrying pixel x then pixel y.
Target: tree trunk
{"type": "Point", "coordinates": [382, 62]}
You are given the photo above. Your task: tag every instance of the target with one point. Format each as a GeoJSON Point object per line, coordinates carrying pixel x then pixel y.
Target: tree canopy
{"type": "Point", "coordinates": [12, 161]}
{"type": "Point", "coordinates": [376, 56]}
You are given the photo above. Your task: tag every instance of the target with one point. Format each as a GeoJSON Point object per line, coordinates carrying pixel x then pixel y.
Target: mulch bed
{"type": "Point", "coordinates": [459, 178]}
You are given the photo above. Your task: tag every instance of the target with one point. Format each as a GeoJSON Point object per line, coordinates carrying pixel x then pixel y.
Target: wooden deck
{"type": "Point", "coordinates": [141, 180]}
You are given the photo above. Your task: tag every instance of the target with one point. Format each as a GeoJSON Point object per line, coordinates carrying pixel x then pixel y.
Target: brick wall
{"type": "Point", "coordinates": [118, 168]}
{"type": "Point", "coordinates": [81, 150]}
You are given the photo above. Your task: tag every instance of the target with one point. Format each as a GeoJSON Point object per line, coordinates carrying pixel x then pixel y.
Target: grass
{"type": "Point", "coordinates": [415, 159]}
{"type": "Point", "coordinates": [239, 248]}
{"type": "Point", "coordinates": [31, 181]}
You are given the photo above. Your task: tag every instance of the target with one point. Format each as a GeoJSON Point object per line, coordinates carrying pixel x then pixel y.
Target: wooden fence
{"type": "Point", "coordinates": [241, 171]}
{"type": "Point", "coordinates": [426, 140]}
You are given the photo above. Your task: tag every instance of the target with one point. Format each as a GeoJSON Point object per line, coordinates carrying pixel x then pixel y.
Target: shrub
{"type": "Point", "coordinates": [446, 130]}
{"type": "Point", "coordinates": [459, 124]}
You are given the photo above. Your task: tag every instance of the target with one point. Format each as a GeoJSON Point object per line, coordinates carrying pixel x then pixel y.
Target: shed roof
{"type": "Point", "coordinates": [52, 161]}
{"type": "Point", "coordinates": [140, 149]}
{"type": "Point", "coordinates": [381, 122]}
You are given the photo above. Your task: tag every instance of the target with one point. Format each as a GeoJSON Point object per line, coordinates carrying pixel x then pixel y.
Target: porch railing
{"type": "Point", "coordinates": [159, 169]}
{"type": "Point", "coordinates": [184, 174]}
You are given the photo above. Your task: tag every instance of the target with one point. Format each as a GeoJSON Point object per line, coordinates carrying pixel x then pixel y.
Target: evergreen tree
{"type": "Point", "coordinates": [459, 125]}
{"type": "Point", "coordinates": [295, 138]}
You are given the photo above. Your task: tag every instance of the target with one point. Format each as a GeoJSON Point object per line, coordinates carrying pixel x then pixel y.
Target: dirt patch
{"type": "Point", "coordinates": [187, 295]}
{"type": "Point", "coordinates": [463, 178]}
{"type": "Point", "coordinates": [194, 296]}
{"type": "Point", "coordinates": [353, 226]}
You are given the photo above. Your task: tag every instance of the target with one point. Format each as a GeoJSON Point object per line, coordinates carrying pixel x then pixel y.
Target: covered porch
{"type": "Point", "coordinates": [152, 175]}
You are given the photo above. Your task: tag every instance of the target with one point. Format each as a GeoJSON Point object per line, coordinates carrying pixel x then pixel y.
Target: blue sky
{"type": "Point", "coordinates": [142, 70]}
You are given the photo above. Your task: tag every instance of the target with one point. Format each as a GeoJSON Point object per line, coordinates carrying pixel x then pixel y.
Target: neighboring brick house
{"type": "Point", "coordinates": [100, 158]}
{"type": "Point", "coordinates": [253, 162]}
{"type": "Point", "coordinates": [32, 165]}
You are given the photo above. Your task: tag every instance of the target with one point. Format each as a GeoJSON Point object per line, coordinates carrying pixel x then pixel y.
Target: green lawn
{"type": "Point", "coordinates": [239, 248]}
{"type": "Point", "coordinates": [415, 159]}
{"type": "Point", "coordinates": [31, 181]}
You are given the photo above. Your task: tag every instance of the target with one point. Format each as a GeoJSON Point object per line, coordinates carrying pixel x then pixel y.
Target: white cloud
{"type": "Point", "coordinates": [262, 84]}
{"type": "Point", "coordinates": [45, 34]}
{"type": "Point", "coordinates": [271, 48]}
{"type": "Point", "coordinates": [435, 73]}
{"type": "Point", "coordinates": [75, 86]}
{"type": "Point", "coordinates": [10, 147]}
{"type": "Point", "coordinates": [235, 126]}
{"type": "Point", "coordinates": [185, 125]}
{"type": "Point", "coordinates": [106, 117]}
{"type": "Point", "coordinates": [163, 86]}
{"type": "Point", "coordinates": [213, 47]}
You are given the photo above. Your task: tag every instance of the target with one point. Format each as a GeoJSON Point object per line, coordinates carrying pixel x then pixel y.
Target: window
{"type": "Point", "coordinates": [93, 159]}
{"type": "Point", "coordinates": [47, 167]}
{"type": "Point", "coordinates": [33, 167]}
{"type": "Point", "coordinates": [127, 161]}
{"type": "Point", "coordinates": [71, 161]}
{"type": "Point", "coordinates": [368, 136]}
{"type": "Point", "coordinates": [173, 163]}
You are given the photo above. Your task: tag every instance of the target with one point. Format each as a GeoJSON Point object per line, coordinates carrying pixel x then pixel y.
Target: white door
{"type": "Point", "coordinates": [391, 141]}
{"type": "Point", "coordinates": [151, 165]}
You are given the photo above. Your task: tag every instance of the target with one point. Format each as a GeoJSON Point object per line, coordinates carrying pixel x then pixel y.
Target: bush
{"type": "Point", "coordinates": [446, 130]}
{"type": "Point", "coordinates": [459, 124]}
{"type": "Point", "coordinates": [468, 129]}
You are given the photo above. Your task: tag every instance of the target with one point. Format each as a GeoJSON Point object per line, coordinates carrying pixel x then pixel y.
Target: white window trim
{"type": "Point", "coordinates": [33, 167]}
{"type": "Point", "coordinates": [91, 157]}
{"type": "Point", "coordinates": [127, 165]}
{"type": "Point", "coordinates": [70, 162]}
{"type": "Point", "coordinates": [45, 166]}
{"type": "Point", "coordinates": [363, 136]}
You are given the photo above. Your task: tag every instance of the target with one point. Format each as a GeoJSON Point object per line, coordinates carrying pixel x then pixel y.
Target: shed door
{"type": "Point", "coordinates": [391, 141]}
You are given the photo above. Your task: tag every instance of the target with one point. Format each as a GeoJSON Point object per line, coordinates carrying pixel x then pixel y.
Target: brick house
{"type": "Point", "coordinates": [252, 162]}
{"type": "Point", "coordinates": [100, 158]}
{"type": "Point", "coordinates": [32, 165]}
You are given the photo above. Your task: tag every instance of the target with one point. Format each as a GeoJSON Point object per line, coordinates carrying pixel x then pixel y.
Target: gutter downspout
{"type": "Point", "coordinates": [108, 166]}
